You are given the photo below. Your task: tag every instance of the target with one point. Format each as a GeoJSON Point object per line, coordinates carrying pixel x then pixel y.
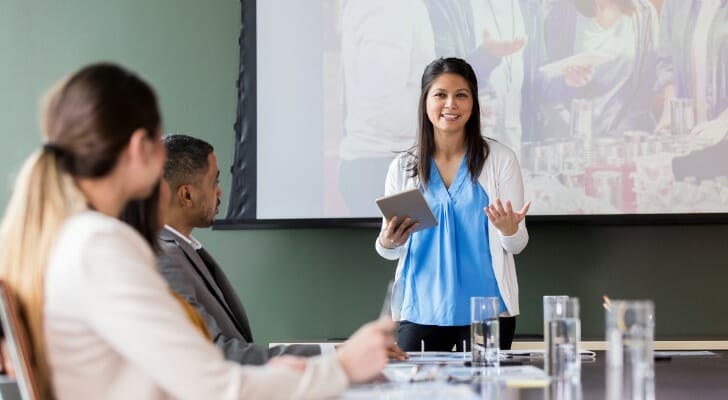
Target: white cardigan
{"type": "Point", "coordinates": [501, 178]}
{"type": "Point", "coordinates": [113, 331]}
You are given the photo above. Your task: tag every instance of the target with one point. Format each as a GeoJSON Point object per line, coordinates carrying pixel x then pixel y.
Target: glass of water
{"type": "Point", "coordinates": [630, 330]}
{"type": "Point", "coordinates": [562, 334]}
{"type": "Point", "coordinates": [484, 331]}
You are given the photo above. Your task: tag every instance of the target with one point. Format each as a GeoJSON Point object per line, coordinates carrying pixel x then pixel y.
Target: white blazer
{"type": "Point", "coordinates": [113, 331]}
{"type": "Point", "coordinates": [501, 178]}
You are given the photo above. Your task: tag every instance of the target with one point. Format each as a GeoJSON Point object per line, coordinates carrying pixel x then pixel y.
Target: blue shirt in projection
{"type": "Point", "coordinates": [451, 262]}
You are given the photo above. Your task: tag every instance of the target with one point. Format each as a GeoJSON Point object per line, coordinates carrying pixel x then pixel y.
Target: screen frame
{"type": "Point", "coordinates": [241, 212]}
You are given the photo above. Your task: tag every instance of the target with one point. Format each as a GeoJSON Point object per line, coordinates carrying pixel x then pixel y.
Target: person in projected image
{"type": "Point", "coordinates": [621, 36]}
{"type": "Point", "coordinates": [192, 173]}
{"type": "Point", "coordinates": [384, 44]}
{"type": "Point", "coordinates": [100, 318]}
{"type": "Point", "coordinates": [475, 189]}
{"type": "Point", "coordinates": [693, 64]}
{"type": "Point", "coordinates": [693, 58]}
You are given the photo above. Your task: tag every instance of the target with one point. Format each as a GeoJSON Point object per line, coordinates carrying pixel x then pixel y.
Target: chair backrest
{"type": "Point", "coordinates": [18, 344]}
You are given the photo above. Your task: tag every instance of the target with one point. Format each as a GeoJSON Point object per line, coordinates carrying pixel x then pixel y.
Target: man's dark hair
{"type": "Point", "coordinates": [186, 159]}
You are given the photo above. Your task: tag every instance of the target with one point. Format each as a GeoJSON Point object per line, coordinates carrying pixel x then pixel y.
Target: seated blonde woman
{"type": "Point", "coordinates": [102, 322]}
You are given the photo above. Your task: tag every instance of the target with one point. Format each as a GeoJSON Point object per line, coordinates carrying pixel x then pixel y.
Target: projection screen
{"type": "Point", "coordinates": [612, 110]}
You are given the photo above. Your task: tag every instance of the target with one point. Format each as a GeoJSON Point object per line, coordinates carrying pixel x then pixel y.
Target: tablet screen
{"type": "Point", "coordinates": [409, 203]}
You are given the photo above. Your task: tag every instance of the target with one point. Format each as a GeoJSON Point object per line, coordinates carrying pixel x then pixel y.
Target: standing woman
{"type": "Point", "coordinates": [102, 322]}
{"type": "Point", "coordinates": [473, 186]}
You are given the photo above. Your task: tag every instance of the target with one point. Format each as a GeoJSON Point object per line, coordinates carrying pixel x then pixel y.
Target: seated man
{"type": "Point", "coordinates": [191, 172]}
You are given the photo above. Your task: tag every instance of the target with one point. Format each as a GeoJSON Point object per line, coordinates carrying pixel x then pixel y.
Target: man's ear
{"type": "Point", "coordinates": [184, 195]}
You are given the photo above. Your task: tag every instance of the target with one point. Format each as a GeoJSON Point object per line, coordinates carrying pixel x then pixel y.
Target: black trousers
{"type": "Point", "coordinates": [444, 338]}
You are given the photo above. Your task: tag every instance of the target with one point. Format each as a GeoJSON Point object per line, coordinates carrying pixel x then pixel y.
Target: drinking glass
{"type": "Point", "coordinates": [630, 330]}
{"type": "Point", "coordinates": [562, 333]}
{"type": "Point", "coordinates": [484, 331]}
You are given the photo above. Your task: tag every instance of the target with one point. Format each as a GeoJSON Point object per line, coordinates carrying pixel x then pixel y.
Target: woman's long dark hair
{"type": "Point", "coordinates": [477, 148]}
{"type": "Point", "coordinates": [143, 215]}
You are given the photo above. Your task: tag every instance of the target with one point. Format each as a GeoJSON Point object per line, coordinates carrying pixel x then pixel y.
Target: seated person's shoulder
{"type": "Point", "coordinates": [170, 254]}
{"type": "Point", "coordinates": [176, 269]}
{"type": "Point", "coordinates": [93, 229]}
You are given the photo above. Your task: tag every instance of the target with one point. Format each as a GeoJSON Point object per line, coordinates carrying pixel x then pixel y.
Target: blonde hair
{"type": "Point", "coordinates": [43, 197]}
{"type": "Point", "coordinates": [87, 121]}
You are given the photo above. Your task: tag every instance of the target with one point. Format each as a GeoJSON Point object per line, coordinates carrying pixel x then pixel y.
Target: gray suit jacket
{"type": "Point", "coordinates": [208, 290]}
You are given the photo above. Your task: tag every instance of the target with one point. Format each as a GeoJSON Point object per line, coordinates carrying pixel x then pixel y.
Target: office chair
{"type": "Point", "coordinates": [18, 344]}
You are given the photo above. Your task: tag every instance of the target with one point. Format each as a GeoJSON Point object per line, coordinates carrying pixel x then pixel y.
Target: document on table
{"type": "Point", "coordinates": [400, 385]}
{"type": "Point", "coordinates": [404, 372]}
{"type": "Point", "coordinates": [424, 390]}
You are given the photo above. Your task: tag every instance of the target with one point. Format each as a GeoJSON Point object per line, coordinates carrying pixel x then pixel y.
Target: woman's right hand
{"type": "Point", "coordinates": [366, 352]}
{"type": "Point", "coordinates": [397, 232]}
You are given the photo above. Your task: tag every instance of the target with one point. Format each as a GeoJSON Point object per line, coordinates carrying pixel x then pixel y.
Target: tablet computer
{"type": "Point", "coordinates": [409, 203]}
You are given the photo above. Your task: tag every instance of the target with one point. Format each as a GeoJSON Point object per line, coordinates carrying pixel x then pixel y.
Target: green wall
{"type": "Point", "coordinates": [324, 283]}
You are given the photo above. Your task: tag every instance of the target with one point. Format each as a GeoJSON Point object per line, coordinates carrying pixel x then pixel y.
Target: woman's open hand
{"type": "Point", "coordinates": [504, 218]}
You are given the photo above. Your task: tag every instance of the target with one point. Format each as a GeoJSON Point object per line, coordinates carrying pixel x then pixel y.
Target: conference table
{"type": "Point", "coordinates": [686, 376]}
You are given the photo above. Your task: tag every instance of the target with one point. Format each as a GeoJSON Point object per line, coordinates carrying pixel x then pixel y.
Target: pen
{"type": "Point", "coordinates": [526, 354]}
{"type": "Point", "coordinates": [502, 362]}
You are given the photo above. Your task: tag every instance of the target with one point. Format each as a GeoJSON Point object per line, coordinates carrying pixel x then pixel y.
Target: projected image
{"type": "Point", "coordinates": [613, 106]}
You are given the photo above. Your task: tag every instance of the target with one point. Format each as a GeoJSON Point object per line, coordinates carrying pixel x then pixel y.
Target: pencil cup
{"type": "Point", "coordinates": [484, 331]}
{"type": "Point", "coordinates": [630, 330]}
{"type": "Point", "coordinates": [562, 333]}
